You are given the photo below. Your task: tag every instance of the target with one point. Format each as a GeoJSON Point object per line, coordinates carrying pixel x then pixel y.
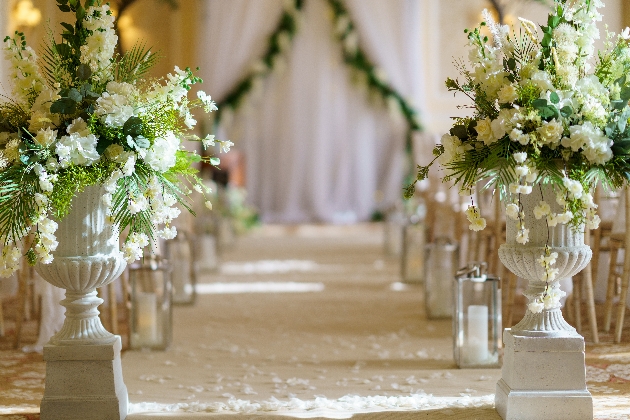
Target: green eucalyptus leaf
{"type": "Point", "coordinates": [625, 94]}
{"type": "Point", "coordinates": [63, 8]}
{"type": "Point", "coordinates": [554, 98]}
{"type": "Point", "coordinates": [84, 72]}
{"type": "Point", "coordinates": [618, 104]}
{"type": "Point", "coordinates": [460, 131]}
{"type": "Point", "coordinates": [539, 103]}
{"type": "Point", "coordinates": [133, 127]}
{"type": "Point", "coordinates": [63, 106]}
{"type": "Point", "coordinates": [566, 111]}
{"type": "Point", "coordinates": [142, 142]}
{"type": "Point", "coordinates": [75, 95]}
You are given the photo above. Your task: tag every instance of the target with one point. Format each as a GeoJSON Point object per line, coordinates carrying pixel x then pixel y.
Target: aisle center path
{"type": "Point", "coordinates": [348, 338]}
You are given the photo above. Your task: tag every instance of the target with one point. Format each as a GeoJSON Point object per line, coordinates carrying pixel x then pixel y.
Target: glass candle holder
{"type": "Point", "coordinates": [151, 310]}
{"type": "Point", "coordinates": [477, 318]}
{"type": "Point", "coordinates": [440, 268]}
{"type": "Point", "coordinates": [395, 221]}
{"type": "Point", "coordinates": [179, 253]}
{"type": "Point", "coordinates": [412, 257]}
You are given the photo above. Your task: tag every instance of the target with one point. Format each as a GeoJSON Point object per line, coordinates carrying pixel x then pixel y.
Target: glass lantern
{"type": "Point", "coordinates": [151, 309]}
{"type": "Point", "coordinates": [477, 318]}
{"type": "Point", "coordinates": [412, 260]}
{"type": "Point", "coordinates": [205, 253]}
{"type": "Point", "coordinates": [395, 221]}
{"type": "Point", "coordinates": [183, 275]}
{"type": "Point", "coordinates": [440, 267]}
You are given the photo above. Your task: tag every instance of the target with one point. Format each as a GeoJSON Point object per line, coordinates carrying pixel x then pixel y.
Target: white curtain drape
{"type": "Point", "coordinates": [316, 148]}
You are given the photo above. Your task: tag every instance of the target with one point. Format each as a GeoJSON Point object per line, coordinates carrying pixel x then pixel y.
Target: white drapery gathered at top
{"type": "Point", "coordinates": [316, 148]}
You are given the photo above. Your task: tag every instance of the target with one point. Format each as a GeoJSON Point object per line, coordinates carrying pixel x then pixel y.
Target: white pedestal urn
{"type": "Point", "coordinates": [543, 374]}
{"type": "Point", "coordinates": [83, 369]}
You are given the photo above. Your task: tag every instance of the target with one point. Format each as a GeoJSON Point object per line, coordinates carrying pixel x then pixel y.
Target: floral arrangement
{"type": "Point", "coordinates": [542, 113]}
{"type": "Point", "coordinates": [82, 116]}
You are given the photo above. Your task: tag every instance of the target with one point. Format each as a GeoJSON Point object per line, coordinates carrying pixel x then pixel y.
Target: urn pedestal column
{"type": "Point", "coordinates": [543, 373]}
{"type": "Point", "coordinates": [83, 368]}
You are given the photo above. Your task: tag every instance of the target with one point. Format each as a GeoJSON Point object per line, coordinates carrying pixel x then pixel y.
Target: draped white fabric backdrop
{"type": "Point", "coordinates": [316, 148]}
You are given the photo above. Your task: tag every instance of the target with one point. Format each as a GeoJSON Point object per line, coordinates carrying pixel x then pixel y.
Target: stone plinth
{"type": "Point", "coordinates": [543, 378]}
{"type": "Point", "coordinates": [84, 383]}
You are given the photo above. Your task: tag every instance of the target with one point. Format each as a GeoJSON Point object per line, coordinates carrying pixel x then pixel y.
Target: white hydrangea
{"type": "Point", "coordinates": [162, 154]}
{"type": "Point", "coordinates": [77, 150]}
{"type": "Point", "coordinates": [114, 109]}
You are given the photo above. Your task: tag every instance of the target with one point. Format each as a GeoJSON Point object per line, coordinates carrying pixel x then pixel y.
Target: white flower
{"type": "Point", "coordinates": [477, 224]}
{"type": "Point", "coordinates": [574, 188]}
{"type": "Point", "coordinates": [521, 170]}
{"type": "Point", "coordinates": [114, 110]}
{"type": "Point", "coordinates": [508, 94]}
{"type": "Point", "coordinates": [532, 176]}
{"type": "Point", "coordinates": [168, 233]}
{"type": "Point", "coordinates": [520, 157]}
{"type": "Point", "coordinates": [542, 210]}
{"type": "Point", "coordinates": [535, 307]}
{"type": "Point", "coordinates": [207, 101]}
{"type": "Point", "coordinates": [484, 131]}
{"type": "Point", "coordinates": [225, 145]}
{"type": "Point", "coordinates": [45, 137]}
{"type": "Point", "coordinates": [162, 155]}
{"type": "Point", "coordinates": [77, 150]}
{"type": "Point", "coordinates": [112, 182]}
{"type": "Point", "coordinates": [79, 127]}
{"type": "Point", "coordinates": [129, 167]}
{"type": "Point", "coordinates": [41, 200]}
{"type": "Point", "coordinates": [138, 204]}
{"type": "Point", "coordinates": [208, 141]}
{"type": "Point", "coordinates": [522, 236]}
{"type": "Point", "coordinates": [511, 210]}
{"type": "Point", "coordinates": [550, 132]}
{"type": "Point", "coordinates": [208, 205]}
{"type": "Point", "coordinates": [453, 149]}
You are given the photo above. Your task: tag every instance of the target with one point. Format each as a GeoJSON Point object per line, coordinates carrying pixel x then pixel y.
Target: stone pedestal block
{"type": "Point", "coordinates": [543, 377]}
{"type": "Point", "coordinates": [84, 383]}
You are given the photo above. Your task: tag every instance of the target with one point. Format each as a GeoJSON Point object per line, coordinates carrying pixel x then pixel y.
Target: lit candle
{"type": "Point", "coordinates": [477, 339]}
{"type": "Point", "coordinates": [147, 317]}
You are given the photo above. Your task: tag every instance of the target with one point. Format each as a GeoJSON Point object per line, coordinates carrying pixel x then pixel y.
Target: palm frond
{"type": "Point", "coordinates": [135, 63]}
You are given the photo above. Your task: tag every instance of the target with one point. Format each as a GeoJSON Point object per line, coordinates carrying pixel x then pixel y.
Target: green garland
{"type": "Point", "coordinates": [358, 60]}
{"type": "Point", "coordinates": [353, 55]}
{"type": "Point", "coordinates": [285, 31]}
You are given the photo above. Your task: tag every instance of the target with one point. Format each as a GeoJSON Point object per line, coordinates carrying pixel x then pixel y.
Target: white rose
{"type": "Point", "coordinates": [508, 94]}
{"type": "Point", "coordinates": [550, 132]}
{"type": "Point", "coordinates": [484, 131]}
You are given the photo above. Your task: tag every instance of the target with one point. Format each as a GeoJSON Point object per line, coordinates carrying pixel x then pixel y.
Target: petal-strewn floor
{"type": "Point", "coordinates": [310, 322]}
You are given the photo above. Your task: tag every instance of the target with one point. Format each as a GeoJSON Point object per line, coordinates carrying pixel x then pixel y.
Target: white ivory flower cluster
{"type": "Point", "coordinates": [23, 70]}
{"type": "Point", "coordinates": [9, 260]}
{"type": "Point", "coordinates": [101, 43]}
{"type": "Point", "coordinates": [477, 222]}
{"type": "Point", "coordinates": [550, 298]}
